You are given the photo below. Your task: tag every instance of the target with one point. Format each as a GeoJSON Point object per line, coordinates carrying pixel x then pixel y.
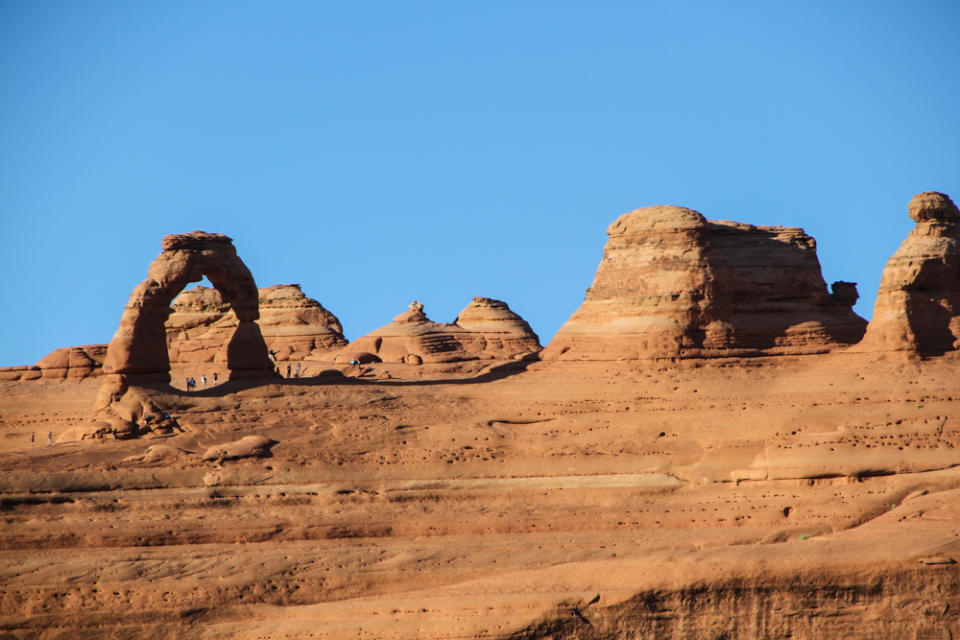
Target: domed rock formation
{"type": "Point", "coordinates": [412, 336]}
{"type": "Point", "coordinates": [485, 329]}
{"type": "Point", "coordinates": [137, 354]}
{"type": "Point", "coordinates": [674, 284]}
{"type": "Point", "coordinates": [294, 326]}
{"type": "Point", "coordinates": [72, 362]}
{"type": "Point", "coordinates": [918, 302]}
{"type": "Point", "coordinates": [494, 331]}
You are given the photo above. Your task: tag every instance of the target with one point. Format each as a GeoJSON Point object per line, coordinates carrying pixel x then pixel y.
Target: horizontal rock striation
{"type": "Point", "coordinates": [674, 284]}
{"type": "Point", "coordinates": [413, 338]}
{"type": "Point", "coordinates": [65, 363]}
{"type": "Point", "coordinates": [493, 330]}
{"type": "Point", "coordinates": [485, 329]}
{"type": "Point", "coordinates": [918, 303]}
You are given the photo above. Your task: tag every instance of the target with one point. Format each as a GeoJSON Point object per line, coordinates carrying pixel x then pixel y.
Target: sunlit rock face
{"type": "Point", "coordinates": [918, 303]}
{"type": "Point", "coordinates": [674, 284]}
{"type": "Point", "coordinates": [485, 329]}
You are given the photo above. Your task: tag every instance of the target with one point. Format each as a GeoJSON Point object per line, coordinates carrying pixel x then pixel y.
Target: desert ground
{"type": "Point", "coordinates": [811, 496]}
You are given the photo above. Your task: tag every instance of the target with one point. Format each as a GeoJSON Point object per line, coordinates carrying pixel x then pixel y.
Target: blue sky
{"type": "Point", "coordinates": [377, 152]}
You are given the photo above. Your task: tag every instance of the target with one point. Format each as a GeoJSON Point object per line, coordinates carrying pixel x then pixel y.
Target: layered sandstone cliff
{"type": "Point", "coordinates": [294, 326]}
{"type": "Point", "coordinates": [918, 303]}
{"type": "Point", "coordinates": [674, 284]}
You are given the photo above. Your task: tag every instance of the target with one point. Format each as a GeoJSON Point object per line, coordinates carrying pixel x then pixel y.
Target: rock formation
{"type": "Point", "coordinates": [198, 330]}
{"type": "Point", "coordinates": [138, 350]}
{"type": "Point", "coordinates": [485, 329]}
{"type": "Point", "coordinates": [294, 326]}
{"type": "Point", "coordinates": [137, 354]}
{"type": "Point", "coordinates": [253, 446]}
{"type": "Point", "coordinates": [72, 363]}
{"type": "Point", "coordinates": [494, 331]}
{"type": "Point", "coordinates": [673, 284]}
{"type": "Point", "coordinates": [918, 303]}
{"type": "Point", "coordinates": [412, 337]}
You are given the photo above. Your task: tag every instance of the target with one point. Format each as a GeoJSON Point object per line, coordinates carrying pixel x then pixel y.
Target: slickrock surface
{"type": "Point", "coordinates": [485, 329]}
{"type": "Point", "coordinates": [673, 284]}
{"type": "Point", "coordinates": [918, 303]}
{"type": "Point", "coordinates": [814, 496]}
{"type": "Point", "coordinates": [294, 326]}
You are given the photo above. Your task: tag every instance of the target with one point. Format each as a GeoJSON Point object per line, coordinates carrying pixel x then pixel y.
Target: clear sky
{"type": "Point", "coordinates": [377, 152]}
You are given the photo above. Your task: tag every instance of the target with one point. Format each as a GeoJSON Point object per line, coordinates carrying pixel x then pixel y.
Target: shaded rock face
{"type": "Point", "coordinates": [674, 284]}
{"type": "Point", "coordinates": [294, 326]}
{"type": "Point", "coordinates": [918, 302]}
{"type": "Point", "coordinates": [486, 328]}
{"type": "Point", "coordinates": [138, 350]}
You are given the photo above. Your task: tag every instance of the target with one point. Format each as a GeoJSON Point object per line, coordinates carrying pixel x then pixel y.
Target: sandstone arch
{"type": "Point", "coordinates": [137, 354]}
{"type": "Point", "coordinates": [138, 350]}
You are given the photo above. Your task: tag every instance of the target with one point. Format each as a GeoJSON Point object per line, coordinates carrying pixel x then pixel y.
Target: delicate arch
{"type": "Point", "coordinates": [138, 350]}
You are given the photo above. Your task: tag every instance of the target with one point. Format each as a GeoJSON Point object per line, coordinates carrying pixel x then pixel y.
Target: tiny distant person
{"type": "Point", "coordinates": [298, 369]}
{"type": "Point", "coordinates": [215, 377]}
{"type": "Point", "coordinates": [32, 436]}
{"type": "Point", "coordinates": [203, 381]}
{"type": "Point", "coordinates": [49, 438]}
{"type": "Point", "coordinates": [288, 371]}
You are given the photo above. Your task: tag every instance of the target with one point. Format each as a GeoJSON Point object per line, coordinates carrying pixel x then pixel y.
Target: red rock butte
{"type": "Point", "coordinates": [674, 284]}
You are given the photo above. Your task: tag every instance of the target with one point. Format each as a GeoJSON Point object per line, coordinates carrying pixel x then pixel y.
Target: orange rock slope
{"type": "Point", "coordinates": [784, 486]}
